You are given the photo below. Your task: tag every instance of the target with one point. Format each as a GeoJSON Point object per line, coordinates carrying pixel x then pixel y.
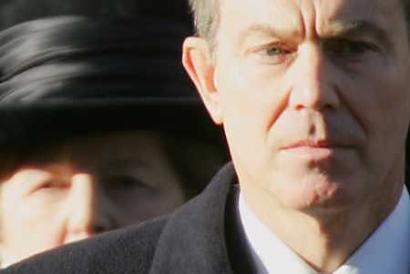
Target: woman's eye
{"type": "Point", "coordinates": [51, 188]}
{"type": "Point", "coordinates": [126, 182]}
{"type": "Point", "coordinates": [53, 185]}
{"type": "Point", "coordinates": [123, 186]}
{"type": "Point", "coordinates": [46, 185]}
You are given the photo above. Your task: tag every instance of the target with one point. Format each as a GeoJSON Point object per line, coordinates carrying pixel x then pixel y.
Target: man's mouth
{"type": "Point", "coordinates": [315, 149]}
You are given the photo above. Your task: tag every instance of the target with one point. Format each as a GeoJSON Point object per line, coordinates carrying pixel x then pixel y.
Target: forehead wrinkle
{"type": "Point", "coordinates": [356, 28]}
{"type": "Point", "coordinates": [308, 16]}
{"type": "Point", "coordinates": [377, 12]}
{"type": "Point", "coordinates": [264, 19]}
{"type": "Point", "coordinates": [269, 30]}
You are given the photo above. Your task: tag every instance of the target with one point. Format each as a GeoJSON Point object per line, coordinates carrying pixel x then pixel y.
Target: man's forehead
{"type": "Point", "coordinates": [298, 15]}
{"type": "Point", "coordinates": [348, 5]}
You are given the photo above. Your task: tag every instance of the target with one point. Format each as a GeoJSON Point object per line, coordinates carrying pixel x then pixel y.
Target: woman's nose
{"type": "Point", "coordinates": [86, 210]}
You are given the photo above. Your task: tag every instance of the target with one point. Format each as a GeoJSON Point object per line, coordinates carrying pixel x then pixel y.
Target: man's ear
{"type": "Point", "coordinates": [197, 61]}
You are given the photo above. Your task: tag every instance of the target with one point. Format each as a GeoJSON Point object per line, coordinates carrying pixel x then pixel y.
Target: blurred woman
{"type": "Point", "coordinates": [99, 129]}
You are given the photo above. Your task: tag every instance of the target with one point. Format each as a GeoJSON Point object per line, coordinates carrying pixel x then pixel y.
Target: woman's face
{"type": "Point", "coordinates": [88, 186]}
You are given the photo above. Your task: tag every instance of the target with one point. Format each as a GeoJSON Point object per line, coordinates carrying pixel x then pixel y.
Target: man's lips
{"type": "Point", "coordinates": [310, 143]}
{"type": "Point", "coordinates": [315, 149]}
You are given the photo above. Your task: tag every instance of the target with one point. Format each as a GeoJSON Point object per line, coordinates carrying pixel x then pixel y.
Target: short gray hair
{"type": "Point", "coordinates": [206, 17]}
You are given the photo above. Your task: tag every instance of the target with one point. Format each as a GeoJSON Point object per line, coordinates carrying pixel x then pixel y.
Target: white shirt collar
{"type": "Point", "coordinates": [387, 250]}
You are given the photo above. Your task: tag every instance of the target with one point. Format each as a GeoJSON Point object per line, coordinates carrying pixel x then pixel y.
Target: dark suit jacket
{"type": "Point", "coordinates": [202, 237]}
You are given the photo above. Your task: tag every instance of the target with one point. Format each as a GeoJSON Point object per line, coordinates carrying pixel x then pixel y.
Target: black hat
{"type": "Point", "coordinates": [71, 75]}
{"type": "Point", "coordinates": [13, 12]}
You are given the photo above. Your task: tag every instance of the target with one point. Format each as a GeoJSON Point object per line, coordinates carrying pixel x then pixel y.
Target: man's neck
{"type": "Point", "coordinates": [324, 238]}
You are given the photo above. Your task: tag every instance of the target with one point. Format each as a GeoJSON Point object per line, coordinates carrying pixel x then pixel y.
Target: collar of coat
{"type": "Point", "coordinates": [205, 235]}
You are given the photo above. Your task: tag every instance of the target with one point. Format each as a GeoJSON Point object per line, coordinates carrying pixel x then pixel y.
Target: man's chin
{"type": "Point", "coordinates": [315, 196]}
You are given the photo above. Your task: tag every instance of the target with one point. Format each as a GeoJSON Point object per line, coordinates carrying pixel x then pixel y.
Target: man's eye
{"type": "Point", "coordinates": [347, 48]}
{"type": "Point", "coordinates": [275, 51]}
{"type": "Point", "coordinates": [274, 54]}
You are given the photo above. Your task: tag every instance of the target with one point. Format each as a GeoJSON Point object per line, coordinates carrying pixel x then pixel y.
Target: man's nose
{"type": "Point", "coordinates": [313, 79]}
{"type": "Point", "coordinates": [86, 214]}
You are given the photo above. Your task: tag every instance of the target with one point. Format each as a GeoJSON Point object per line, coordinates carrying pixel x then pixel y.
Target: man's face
{"type": "Point", "coordinates": [314, 98]}
{"type": "Point", "coordinates": [87, 186]}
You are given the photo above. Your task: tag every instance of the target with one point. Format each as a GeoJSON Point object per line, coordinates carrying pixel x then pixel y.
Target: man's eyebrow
{"type": "Point", "coordinates": [269, 31]}
{"type": "Point", "coordinates": [357, 29]}
{"type": "Point", "coordinates": [338, 29]}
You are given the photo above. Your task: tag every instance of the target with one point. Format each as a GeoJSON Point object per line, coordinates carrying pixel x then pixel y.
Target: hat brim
{"type": "Point", "coordinates": [37, 124]}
